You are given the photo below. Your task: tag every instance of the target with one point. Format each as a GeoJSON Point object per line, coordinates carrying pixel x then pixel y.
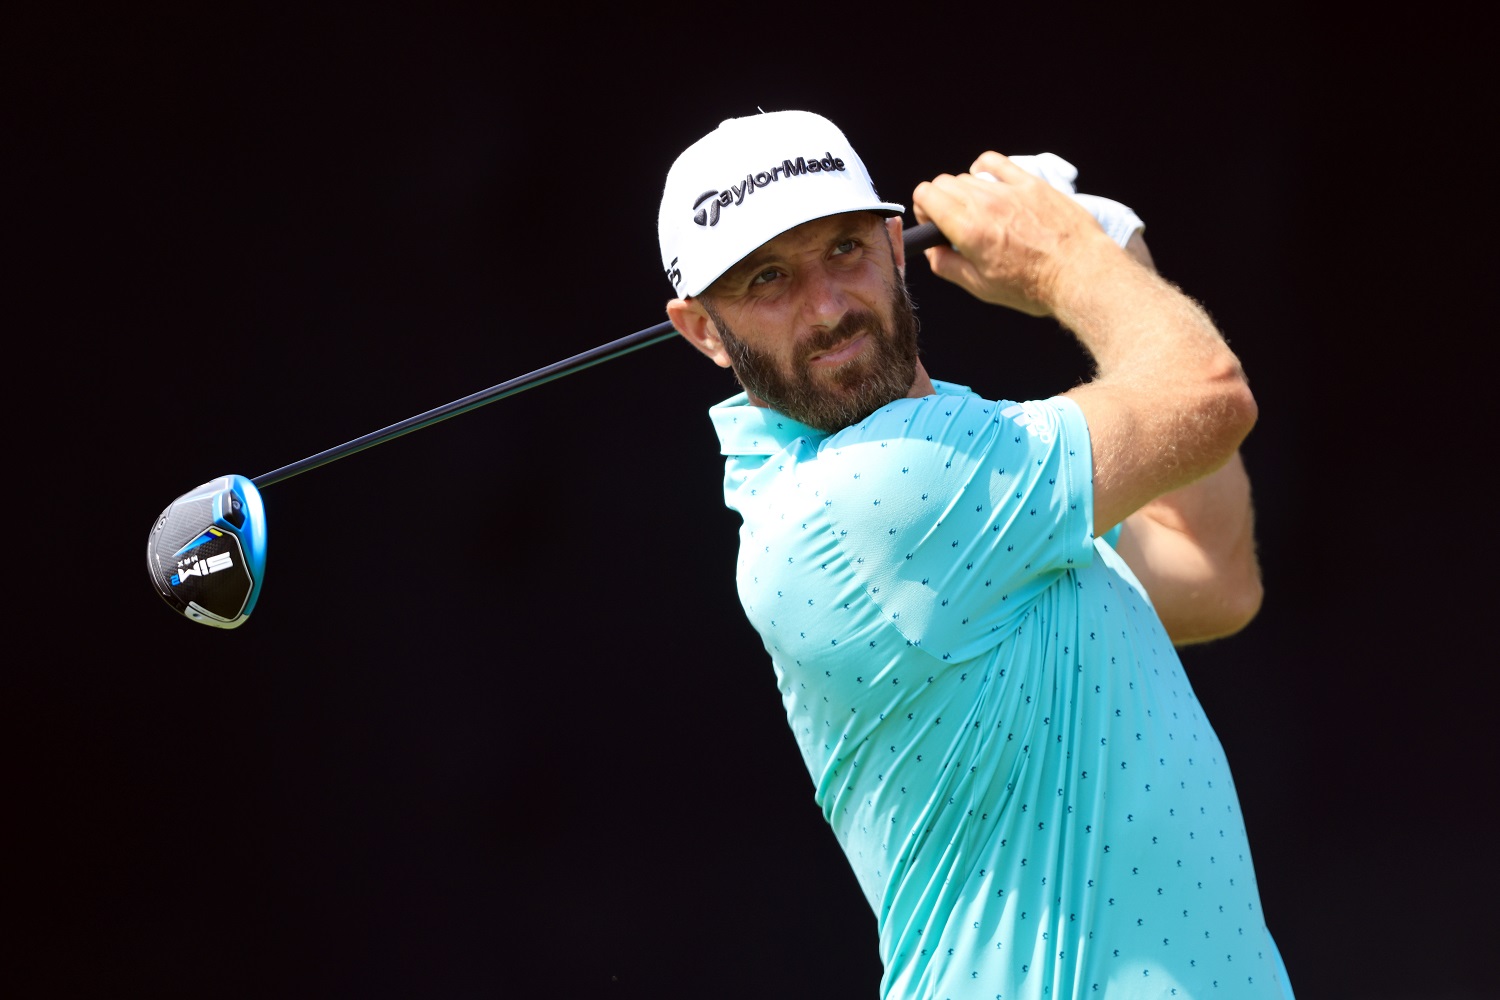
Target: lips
{"type": "Point", "coordinates": [840, 353]}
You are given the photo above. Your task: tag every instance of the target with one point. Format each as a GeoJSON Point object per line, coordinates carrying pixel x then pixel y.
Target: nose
{"type": "Point", "coordinates": [824, 301]}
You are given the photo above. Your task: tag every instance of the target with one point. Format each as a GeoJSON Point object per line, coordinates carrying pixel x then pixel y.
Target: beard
{"type": "Point", "coordinates": [839, 397]}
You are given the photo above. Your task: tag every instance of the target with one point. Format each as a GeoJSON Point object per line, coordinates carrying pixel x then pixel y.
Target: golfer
{"type": "Point", "coordinates": [971, 604]}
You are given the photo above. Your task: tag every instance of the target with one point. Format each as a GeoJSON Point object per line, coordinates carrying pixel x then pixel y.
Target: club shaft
{"type": "Point", "coordinates": [578, 362]}
{"type": "Point", "coordinates": [917, 239]}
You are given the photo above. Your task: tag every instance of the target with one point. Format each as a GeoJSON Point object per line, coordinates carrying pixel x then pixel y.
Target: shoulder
{"type": "Point", "coordinates": [916, 457]}
{"type": "Point", "coordinates": [958, 427]}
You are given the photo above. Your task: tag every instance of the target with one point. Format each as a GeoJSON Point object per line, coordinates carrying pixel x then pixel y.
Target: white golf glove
{"type": "Point", "coordinates": [1118, 221]}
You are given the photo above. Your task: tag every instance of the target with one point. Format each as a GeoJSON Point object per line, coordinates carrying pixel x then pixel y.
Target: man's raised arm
{"type": "Point", "coordinates": [1194, 548]}
{"type": "Point", "coordinates": [1169, 403]}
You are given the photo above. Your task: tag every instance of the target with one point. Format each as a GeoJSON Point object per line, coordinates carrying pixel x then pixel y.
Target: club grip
{"type": "Point", "coordinates": [919, 238]}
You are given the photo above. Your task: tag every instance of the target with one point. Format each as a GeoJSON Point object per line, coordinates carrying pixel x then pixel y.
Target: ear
{"type": "Point", "coordinates": [693, 322]}
{"type": "Point", "coordinates": [898, 248]}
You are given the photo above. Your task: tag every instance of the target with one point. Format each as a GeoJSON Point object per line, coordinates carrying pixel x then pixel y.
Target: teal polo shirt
{"type": "Point", "coordinates": [998, 730]}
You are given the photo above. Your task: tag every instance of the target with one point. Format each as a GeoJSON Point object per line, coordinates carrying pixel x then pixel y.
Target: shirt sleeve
{"type": "Point", "coordinates": [958, 512]}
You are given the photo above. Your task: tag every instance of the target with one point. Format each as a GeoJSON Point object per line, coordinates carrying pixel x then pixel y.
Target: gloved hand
{"type": "Point", "coordinates": [1117, 220]}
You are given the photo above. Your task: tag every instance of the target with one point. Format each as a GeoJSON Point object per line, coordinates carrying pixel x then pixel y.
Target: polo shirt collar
{"type": "Point", "coordinates": [749, 430]}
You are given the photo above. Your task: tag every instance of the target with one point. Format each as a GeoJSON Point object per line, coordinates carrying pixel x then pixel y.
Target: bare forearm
{"type": "Point", "coordinates": [1169, 403]}
{"type": "Point", "coordinates": [1133, 322]}
{"type": "Point", "coordinates": [1159, 356]}
{"type": "Point", "coordinates": [1161, 359]}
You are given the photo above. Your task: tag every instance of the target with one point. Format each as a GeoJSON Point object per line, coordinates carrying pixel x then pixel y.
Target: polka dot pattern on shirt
{"type": "Point", "coordinates": [998, 729]}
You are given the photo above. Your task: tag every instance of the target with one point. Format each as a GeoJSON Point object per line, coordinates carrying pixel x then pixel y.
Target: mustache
{"type": "Point", "coordinates": [850, 325]}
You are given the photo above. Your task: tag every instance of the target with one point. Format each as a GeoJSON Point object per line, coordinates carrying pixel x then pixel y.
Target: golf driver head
{"type": "Point", "coordinates": [207, 552]}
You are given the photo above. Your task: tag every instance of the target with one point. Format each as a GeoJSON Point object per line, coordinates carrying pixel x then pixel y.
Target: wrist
{"type": "Point", "coordinates": [1088, 277]}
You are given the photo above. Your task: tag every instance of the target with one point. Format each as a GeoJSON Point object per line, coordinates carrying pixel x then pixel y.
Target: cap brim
{"type": "Point", "coordinates": [772, 228]}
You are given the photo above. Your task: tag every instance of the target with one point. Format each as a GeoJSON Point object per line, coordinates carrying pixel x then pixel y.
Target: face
{"type": "Point", "coordinates": [818, 324]}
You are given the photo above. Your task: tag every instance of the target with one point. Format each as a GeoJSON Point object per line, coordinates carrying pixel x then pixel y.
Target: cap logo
{"type": "Point", "coordinates": [708, 215]}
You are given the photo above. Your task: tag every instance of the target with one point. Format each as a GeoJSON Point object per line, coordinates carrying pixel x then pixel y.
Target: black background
{"type": "Point", "coordinates": [497, 727]}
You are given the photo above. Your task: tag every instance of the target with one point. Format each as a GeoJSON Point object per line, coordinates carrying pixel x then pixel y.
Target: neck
{"type": "Point", "coordinates": [921, 385]}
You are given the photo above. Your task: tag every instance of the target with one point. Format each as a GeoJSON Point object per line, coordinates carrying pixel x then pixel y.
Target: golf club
{"type": "Point", "coordinates": [206, 553]}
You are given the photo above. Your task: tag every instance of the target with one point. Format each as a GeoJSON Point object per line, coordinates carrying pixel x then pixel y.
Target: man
{"type": "Point", "coordinates": [983, 687]}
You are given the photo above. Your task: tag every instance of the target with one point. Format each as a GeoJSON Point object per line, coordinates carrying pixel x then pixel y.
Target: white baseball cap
{"type": "Point", "coordinates": [750, 180]}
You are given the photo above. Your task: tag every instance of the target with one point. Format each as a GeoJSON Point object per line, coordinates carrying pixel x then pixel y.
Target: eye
{"type": "Point", "coordinates": [845, 246]}
{"type": "Point", "coordinates": [765, 277]}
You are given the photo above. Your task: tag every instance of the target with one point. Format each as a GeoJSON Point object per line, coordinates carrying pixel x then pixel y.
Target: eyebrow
{"type": "Point", "coordinates": [749, 265]}
{"type": "Point", "coordinates": [759, 258]}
